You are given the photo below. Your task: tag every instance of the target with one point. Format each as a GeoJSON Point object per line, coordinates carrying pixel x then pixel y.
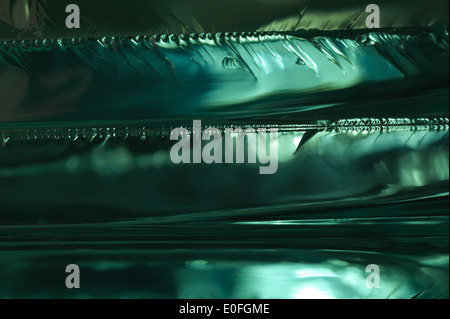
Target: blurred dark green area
{"type": "Point", "coordinates": [21, 19]}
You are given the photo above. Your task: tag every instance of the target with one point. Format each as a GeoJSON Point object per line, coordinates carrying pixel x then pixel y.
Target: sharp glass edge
{"type": "Point", "coordinates": [59, 132]}
{"type": "Point", "coordinates": [207, 37]}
